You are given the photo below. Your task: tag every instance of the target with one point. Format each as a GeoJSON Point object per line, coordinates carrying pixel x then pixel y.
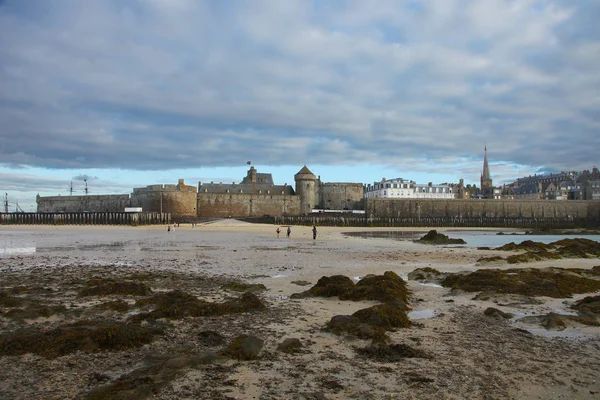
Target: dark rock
{"type": "Point", "coordinates": [244, 347]}
{"type": "Point", "coordinates": [433, 237]}
{"type": "Point", "coordinates": [498, 314]}
{"type": "Point", "coordinates": [290, 345]}
{"type": "Point", "coordinates": [211, 338]}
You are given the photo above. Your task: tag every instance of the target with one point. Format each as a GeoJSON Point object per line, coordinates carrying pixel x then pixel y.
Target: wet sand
{"type": "Point", "coordinates": [472, 356]}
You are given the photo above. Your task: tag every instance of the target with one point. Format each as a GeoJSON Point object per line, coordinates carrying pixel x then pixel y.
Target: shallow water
{"type": "Point", "coordinates": [421, 314]}
{"type": "Point", "coordinates": [473, 238]}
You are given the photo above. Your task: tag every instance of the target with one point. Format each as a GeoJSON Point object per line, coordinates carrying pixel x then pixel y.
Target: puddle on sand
{"type": "Point", "coordinates": [557, 334]}
{"type": "Point", "coordinates": [8, 251]}
{"type": "Point", "coordinates": [279, 276]}
{"type": "Point", "coordinates": [421, 314]}
{"type": "Point", "coordinates": [435, 285]}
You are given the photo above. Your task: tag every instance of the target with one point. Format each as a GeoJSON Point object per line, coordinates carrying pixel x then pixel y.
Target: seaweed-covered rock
{"type": "Point", "coordinates": [352, 325]}
{"type": "Point", "coordinates": [532, 256]}
{"type": "Point", "coordinates": [106, 287]}
{"type": "Point", "coordinates": [386, 287]}
{"type": "Point", "coordinates": [554, 322]}
{"type": "Point", "coordinates": [34, 311]}
{"type": "Point", "coordinates": [498, 314]}
{"type": "Point", "coordinates": [211, 338]}
{"type": "Point", "coordinates": [7, 300]}
{"type": "Point", "coordinates": [87, 336]}
{"type": "Point", "coordinates": [290, 345]}
{"type": "Point", "coordinates": [589, 305]}
{"type": "Point", "coordinates": [390, 352]}
{"type": "Point", "coordinates": [328, 286]}
{"type": "Point", "coordinates": [148, 380]}
{"type": "Point", "coordinates": [527, 245]}
{"type": "Point", "coordinates": [433, 237]}
{"type": "Point", "coordinates": [117, 305]}
{"type": "Point", "coordinates": [552, 282]}
{"type": "Point", "coordinates": [244, 287]}
{"type": "Point", "coordinates": [386, 316]}
{"type": "Point", "coordinates": [565, 248]}
{"type": "Point", "coordinates": [426, 274]}
{"type": "Point", "coordinates": [244, 347]}
{"type": "Point", "coordinates": [177, 304]}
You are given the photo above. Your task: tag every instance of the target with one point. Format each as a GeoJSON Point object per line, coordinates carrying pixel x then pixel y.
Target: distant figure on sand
{"type": "Point", "coordinates": [289, 231]}
{"type": "Point", "coordinates": [314, 232]}
{"type": "Point", "coordinates": [278, 230]}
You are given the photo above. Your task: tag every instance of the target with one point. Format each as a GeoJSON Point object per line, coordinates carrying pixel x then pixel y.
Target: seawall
{"type": "Point", "coordinates": [85, 218]}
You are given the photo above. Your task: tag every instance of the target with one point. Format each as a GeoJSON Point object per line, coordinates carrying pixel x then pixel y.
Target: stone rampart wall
{"type": "Point", "coordinates": [95, 203]}
{"type": "Point", "coordinates": [341, 196]}
{"type": "Point", "coordinates": [246, 205]}
{"type": "Point", "coordinates": [175, 202]}
{"type": "Point", "coordinates": [412, 208]}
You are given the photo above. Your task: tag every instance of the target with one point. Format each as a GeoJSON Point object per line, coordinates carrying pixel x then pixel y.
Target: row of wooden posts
{"type": "Point", "coordinates": [459, 222]}
{"type": "Point", "coordinates": [85, 218]}
{"type": "Point", "coordinates": [149, 218]}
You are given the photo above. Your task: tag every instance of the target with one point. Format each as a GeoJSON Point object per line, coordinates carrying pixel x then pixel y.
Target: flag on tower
{"type": "Point", "coordinates": [249, 162]}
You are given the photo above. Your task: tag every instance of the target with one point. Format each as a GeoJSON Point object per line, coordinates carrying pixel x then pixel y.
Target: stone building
{"type": "Point", "coordinates": [315, 194]}
{"type": "Point", "coordinates": [399, 188]}
{"type": "Point", "coordinates": [89, 203]}
{"type": "Point", "coordinates": [255, 195]}
{"type": "Point", "coordinates": [179, 200]}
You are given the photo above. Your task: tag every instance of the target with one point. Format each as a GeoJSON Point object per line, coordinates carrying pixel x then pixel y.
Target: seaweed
{"type": "Point", "coordinates": [87, 336]}
{"type": "Point", "coordinates": [551, 282]}
{"type": "Point", "coordinates": [244, 347]}
{"type": "Point", "coordinates": [391, 352]}
{"type": "Point", "coordinates": [433, 237]}
{"type": "Point", "coordinates": [10, 301]}
{"type": "Point", "coordinates": [177, 305]}
{"type": "Point", "coordinates": [106, 287]}
{"type": "Point", "coordinates": [35, 311]}
{"type": "Point", "coordinates": [244, 287]}
{"type": "Point", "coordinates": [117, 305]}
{"type": "Point", "coordinates": [386, 287]}
{"type": "Point", "coordinates": [386, 316]}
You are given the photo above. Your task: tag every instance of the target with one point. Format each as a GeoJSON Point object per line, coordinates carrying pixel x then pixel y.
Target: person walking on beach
{"type": "Point", "coordinates": [314, 232]}
{"type": "Point", "coordinates": [277, 230]}
{"type": "Point", "coordinates": [289, 231]}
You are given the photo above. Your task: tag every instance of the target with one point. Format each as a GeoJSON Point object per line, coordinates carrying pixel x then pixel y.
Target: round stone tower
{"type": "Point", "coordinates": [305, 188]}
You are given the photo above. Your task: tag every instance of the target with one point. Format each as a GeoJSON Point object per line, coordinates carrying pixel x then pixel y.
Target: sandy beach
{"type": "Point", "coordinates": [465, 354]}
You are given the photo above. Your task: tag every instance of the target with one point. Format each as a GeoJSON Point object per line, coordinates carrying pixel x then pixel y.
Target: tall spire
{"type": "Point", "coordinates": [486, 179]}
{"type": "Point", "coordinates": [486, 167]}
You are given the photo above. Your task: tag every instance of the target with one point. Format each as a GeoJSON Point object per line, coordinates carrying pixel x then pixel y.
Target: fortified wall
{"type": "Point", "coordinates": [340, 196]}
{"type": "Point", "coordinates": [331, 196]}
{"type": "Point", "coordinates": [178, 200]}
{"type": "Point", "coordinates": [224, 205]}
{"type": "Point", "coordinates": [256, 195]}
{"type": "Point", "coordinates": [72, 204]}
{"type": "Point", "coordinates": [413, 208]}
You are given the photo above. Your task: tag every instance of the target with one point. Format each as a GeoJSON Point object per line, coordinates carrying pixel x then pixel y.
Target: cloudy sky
{"type": "Point", "coordinates": [126, 93]}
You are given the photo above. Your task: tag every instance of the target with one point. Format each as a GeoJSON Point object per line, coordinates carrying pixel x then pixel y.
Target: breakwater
{"type": "Point", "coordinates": [457, 222]}
{"type": "Point", "coordinates": [85, 218]}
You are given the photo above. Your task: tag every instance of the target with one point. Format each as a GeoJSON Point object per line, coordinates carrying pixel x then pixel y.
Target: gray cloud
{"type": "Point", "coordinates": [153, 85]}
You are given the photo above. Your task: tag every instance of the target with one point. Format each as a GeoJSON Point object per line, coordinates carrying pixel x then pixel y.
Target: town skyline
{"type": "Point", "coordinates": [145, 92]}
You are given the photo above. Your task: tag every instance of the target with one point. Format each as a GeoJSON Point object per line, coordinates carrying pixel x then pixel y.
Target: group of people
{"type": "Point", "coordinates": [289, 231]}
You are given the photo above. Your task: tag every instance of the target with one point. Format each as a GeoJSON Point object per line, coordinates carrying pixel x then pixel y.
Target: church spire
{"type": "Point", "coordinates": [486, 167]}
{"type": "Point", "coordinates": [486, 179]}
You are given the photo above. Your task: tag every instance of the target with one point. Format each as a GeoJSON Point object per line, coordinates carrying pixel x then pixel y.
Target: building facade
{"type": "Point", "coordinates": [399, 188]}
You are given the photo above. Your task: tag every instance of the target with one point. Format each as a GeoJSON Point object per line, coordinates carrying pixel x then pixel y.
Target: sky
{"type": "Point", "coordinates": [128, 93]}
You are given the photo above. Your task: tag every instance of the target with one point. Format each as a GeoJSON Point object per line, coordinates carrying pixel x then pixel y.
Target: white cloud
{"type": "Point", "coordinates": [172, 84]}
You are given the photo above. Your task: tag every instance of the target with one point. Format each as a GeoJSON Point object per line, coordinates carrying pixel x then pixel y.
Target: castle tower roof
{"type": "Point", "coordinates": [305, 173]}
